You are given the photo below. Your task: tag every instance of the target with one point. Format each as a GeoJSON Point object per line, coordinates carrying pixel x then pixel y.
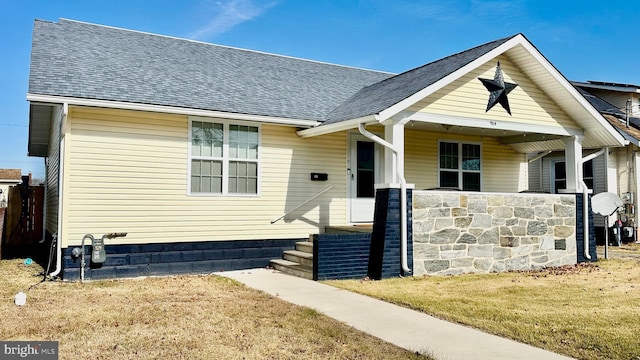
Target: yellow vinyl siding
{"type": "Point", "coordinates": [467, 97]}
{"type": "Point", "coordinates": [503, 170]}
{"type": "Point", "coordinates": [127, 171]}
{"type": "Point", "coordinates": [52, 173]}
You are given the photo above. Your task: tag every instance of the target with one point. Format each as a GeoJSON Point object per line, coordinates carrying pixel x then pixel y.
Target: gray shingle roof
{"type": "Point", "coordinates": [384, 94]}
{"type": "Point", "coordinates": [613, 115]}
{"type": "Point", "coordinates": [599, 104]}
{"type": "Point", "coordinates": [75, 59]}
{"type": "Point", "coordinates": [81, 60]}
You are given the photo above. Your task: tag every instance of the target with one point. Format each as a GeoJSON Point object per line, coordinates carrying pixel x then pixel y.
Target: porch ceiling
{"type": "Point", "coordinates": [519, 141]}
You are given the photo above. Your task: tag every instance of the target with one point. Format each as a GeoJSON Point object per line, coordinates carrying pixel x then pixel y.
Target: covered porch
{"type": "Point", "coordinates": [468, 133]}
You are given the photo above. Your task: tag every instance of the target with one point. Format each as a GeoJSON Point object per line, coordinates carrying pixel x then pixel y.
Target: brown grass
{"type": "Point", "coordinates": [585, 311]}
{"type": "Point", "coordinates": [631, 247]}
{"type": "Point", "coordinates": [183, 317]}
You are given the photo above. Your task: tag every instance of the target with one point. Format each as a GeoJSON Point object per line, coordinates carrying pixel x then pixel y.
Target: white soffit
{"type": "Point", "coordinates": [531, 63]}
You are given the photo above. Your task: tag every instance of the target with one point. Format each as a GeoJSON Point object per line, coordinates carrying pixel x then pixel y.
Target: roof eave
{"type": "Point", "coordinates": [39, 126]}
{"type": "Point", "coordinates": [169, 110]}
{"type": "Point", "coordinates": [625, 88]}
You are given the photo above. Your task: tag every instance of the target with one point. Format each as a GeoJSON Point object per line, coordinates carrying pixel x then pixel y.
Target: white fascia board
{"type": "Point", "coordinates": [168, 110]}
{"type": "Point", "coordinates": [492, 124]}
{"type": "Point", "coordinates": [339, 126]}
{"type": "Point", "coordinates": [411, 100]}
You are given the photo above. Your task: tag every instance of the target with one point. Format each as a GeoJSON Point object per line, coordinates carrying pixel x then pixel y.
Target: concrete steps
{"type": "Point", "coordinates": [298, 262]}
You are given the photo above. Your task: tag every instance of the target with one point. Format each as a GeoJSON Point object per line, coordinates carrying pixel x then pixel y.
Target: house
{"type": "Point", "coordinates": [611, 171]}
{"type": "Point", "coordinates": [217, 158]}
{"type": "Point", "coordinates": [624, 97]}
{"type": "Point", "coordinates": [622, 169]}
{"type": "Point", "coordinates": [8, 178]}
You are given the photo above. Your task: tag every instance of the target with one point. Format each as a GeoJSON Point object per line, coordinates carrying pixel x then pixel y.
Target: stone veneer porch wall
{"type": "Point", "coordinates": [462, 232]}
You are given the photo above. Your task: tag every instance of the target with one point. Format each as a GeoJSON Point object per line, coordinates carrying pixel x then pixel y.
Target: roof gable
{"type": "Point", "coordinates": [466, 98]}
{"type": "Point", "coordinates": [591, 126]}
{"type": "Point", "coordinates": [382, 95]}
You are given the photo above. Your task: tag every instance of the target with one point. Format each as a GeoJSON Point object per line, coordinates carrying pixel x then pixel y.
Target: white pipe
{"type": "Point", "coordinates": [594, 155]}
{"type": "Point", "coordinates": [403, 196]}
{"type": "Point", "coordinates": [82, 262]}
{"type": "Point", "coordinates": [585, 203]}
{"type": "Point", "coordinates": [585, 218]}
{"type": "Point", "coordinates": [63, 118]}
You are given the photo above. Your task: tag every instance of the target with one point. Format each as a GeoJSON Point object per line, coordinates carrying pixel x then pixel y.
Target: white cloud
{"type": "Point", "coordinates": [227, 14]}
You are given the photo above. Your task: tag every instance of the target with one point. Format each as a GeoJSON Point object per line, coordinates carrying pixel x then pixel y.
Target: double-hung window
{"type": "Point", "coordinates": [459, 166]}
{"type": "Point", "coordinates": [224, 158]}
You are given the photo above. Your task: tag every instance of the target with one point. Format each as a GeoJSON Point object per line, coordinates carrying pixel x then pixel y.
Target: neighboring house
{"type": "Point", "coordinates": [612, 171]}
{"type": "Point", "coordinates": [624, 97]}
{"type": "Point", "coordinates": [217, 158]}
{"type": "Point", "coordinates": [8, 178]}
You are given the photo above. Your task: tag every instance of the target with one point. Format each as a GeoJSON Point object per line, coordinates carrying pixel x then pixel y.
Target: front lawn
{"type": "Point", "coordinates": [181, 317]}
{"type": "Point", "coordinates": [585, 311]}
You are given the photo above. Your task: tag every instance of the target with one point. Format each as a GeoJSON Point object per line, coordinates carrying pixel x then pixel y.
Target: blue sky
{"type": "Point", "coordinates": [585, 40]}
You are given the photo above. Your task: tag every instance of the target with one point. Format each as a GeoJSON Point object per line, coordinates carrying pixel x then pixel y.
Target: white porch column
{"type": "Point", "coordinates": [573, 163]}
{"type": "Point", "coordinates": [394, 134]}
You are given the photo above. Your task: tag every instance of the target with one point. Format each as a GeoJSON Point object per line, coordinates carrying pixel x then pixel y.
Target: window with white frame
{"type": "Point", "coordinates": [224, 158]}
{"type": "Point", "coordinates": [459, 166]}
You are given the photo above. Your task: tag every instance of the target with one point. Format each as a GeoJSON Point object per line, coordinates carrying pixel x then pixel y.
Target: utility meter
{"type": "Point", "coordinates": [98, 255]}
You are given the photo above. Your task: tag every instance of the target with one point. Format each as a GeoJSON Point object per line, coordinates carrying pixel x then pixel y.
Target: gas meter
{"type": "Point", "coordinates": [98, 255]}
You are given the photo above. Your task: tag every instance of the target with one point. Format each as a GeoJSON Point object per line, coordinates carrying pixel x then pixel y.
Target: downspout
{"type": "Point", "coordinates": [63, 119]}
{"type": "Point", "coordinates": [403, 196]}
{"type": "Point", "coordinates": [585, 202]}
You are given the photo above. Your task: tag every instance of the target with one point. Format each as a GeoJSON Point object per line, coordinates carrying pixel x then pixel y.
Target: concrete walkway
{"type": "Point", "coordinates": [405, 328]}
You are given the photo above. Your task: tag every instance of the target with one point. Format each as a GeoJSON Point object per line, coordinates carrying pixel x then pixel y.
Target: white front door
{"type": "Point", "coordinates": [363, 173]}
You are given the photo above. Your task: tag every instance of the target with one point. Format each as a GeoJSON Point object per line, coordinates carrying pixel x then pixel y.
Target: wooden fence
{"type": "Point", "coordinates": [23, 220]}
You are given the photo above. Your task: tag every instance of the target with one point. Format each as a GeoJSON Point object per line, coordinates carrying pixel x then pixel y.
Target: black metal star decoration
{"type": "Point", "coordinates": [498, 90]}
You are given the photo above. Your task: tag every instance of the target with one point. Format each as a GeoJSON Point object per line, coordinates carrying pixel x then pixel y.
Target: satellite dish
{"type": "Point", "coordinates": [605, 203]}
